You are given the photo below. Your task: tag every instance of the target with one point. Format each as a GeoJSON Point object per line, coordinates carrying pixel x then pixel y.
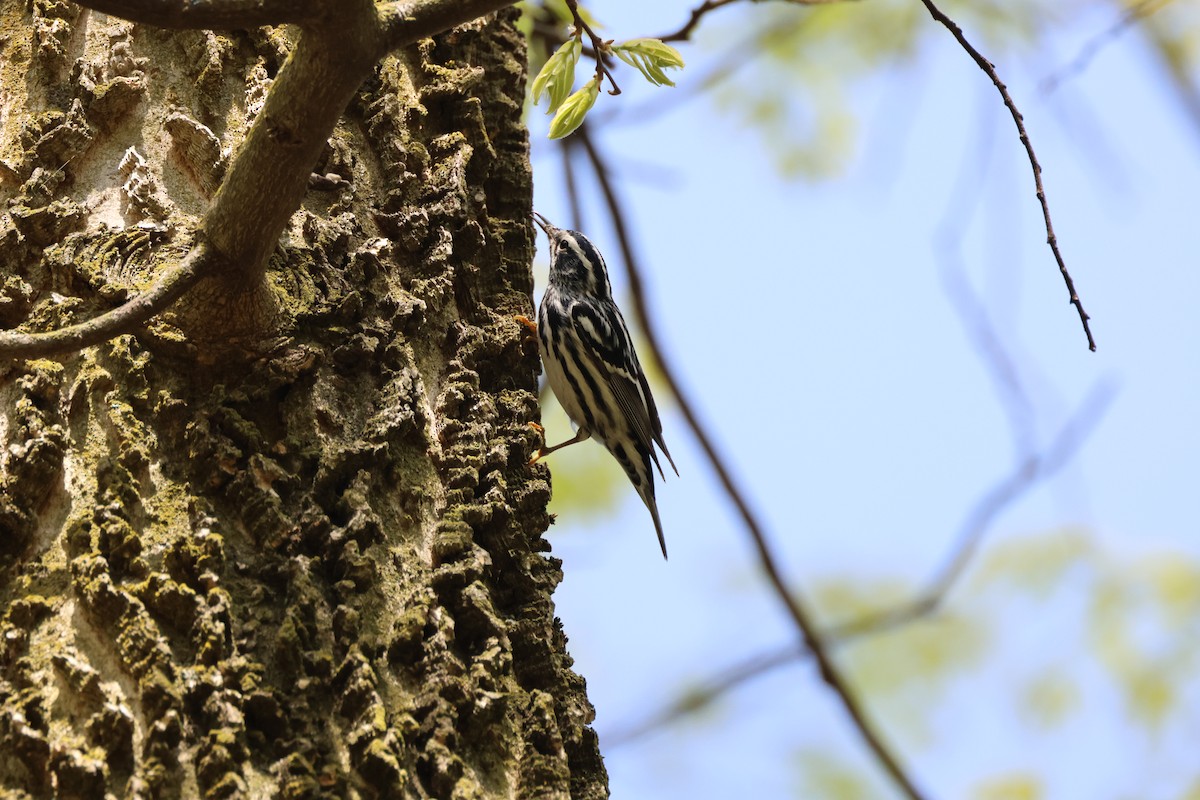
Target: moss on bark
{"type": "Point", "coordinates": [318, 572]}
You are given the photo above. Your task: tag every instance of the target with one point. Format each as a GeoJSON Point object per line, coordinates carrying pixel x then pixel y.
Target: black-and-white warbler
{"type": "Point", "coordinates": [591, 365]}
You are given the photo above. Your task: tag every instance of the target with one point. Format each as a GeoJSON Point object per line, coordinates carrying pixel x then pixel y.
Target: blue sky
{"type": "Point", "coordinates": [811, 324]}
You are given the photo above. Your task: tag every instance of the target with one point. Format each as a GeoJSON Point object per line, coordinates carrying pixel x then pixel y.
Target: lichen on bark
{"type": "Point", "coordinates": [314, 572]}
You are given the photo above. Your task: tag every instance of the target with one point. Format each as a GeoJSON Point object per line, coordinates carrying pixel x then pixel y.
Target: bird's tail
{"type": "Point", "coordinates": [637, 466]}
{"type": "Point", "coordinates": [646, 490]}
{"type": "Point", "coordinates": [650, 504]}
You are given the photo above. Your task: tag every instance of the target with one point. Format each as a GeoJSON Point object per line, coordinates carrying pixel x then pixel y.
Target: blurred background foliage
{"type": "Point", "coordinates": [1122, 665]}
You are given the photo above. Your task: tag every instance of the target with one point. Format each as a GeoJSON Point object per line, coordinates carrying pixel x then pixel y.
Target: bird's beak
{"type": "Point", "coordinates": [543, 223]}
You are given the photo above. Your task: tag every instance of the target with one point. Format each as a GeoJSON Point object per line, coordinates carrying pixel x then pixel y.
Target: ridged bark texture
{"type": "Point", "coordinates": [314, 573]}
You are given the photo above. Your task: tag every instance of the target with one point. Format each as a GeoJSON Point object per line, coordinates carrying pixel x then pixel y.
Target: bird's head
{"type": "Point", "coordinates": [575, 263]}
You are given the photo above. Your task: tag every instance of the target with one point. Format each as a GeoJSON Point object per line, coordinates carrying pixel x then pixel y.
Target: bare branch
{"type": "Point", "coordinates": [211, 14]}
{"type": "Point", "coordinates": [1033, 471]}
{"type": "Point", "coordinates": [413, 20]}
{"type": "Point", "coordinates": [268, 178]}
{"type": "Point", "coordinates": [127, 318]}
{"type": "Point", "coordinates": [790, 598]}
{"type": "Point", "coordinates": [990, 70]}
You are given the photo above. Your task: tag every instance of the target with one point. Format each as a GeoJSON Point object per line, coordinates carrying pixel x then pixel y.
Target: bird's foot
{"type": "Point", "coordinates": [542, 431]}
{"type": "Point", "coordinates": [527, 322]}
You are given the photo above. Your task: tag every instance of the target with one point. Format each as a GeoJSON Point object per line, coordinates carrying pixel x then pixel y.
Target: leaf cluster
{"type": "Point", "coordinates": [556, 79]}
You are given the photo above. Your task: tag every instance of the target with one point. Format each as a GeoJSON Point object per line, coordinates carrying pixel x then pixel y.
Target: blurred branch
{"type": "Point", "coordinates": [728, 65]}
{"type": "Point", "coordinates": [990, 70]}
{"type": "Point", "coordinates": [789, 597]}
{"type": "Point", "coordinates": [696, 699]}
{"type": "Point", "coordinates": [961, 207]}
{"type": "Point", "coordinates": [572, 184]}
{"type": "Point", "coordinates": [976, 320]}
{"type": "Point", "coordinates": [1092, 47]}
{"type": "Point", "coordinates": [1028, 473]}
{"type": "Point", "coordinates": [684, 33]}
{"type": "Point", "coordinates": [1032, 471]}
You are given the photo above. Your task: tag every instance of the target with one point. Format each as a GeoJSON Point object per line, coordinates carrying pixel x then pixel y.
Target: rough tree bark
{"type": "Point", "coordinates": [317, 571]}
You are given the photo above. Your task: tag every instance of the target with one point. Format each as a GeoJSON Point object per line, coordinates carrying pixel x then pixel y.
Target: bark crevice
{"type": "Point", "coordinates": [319, 571]}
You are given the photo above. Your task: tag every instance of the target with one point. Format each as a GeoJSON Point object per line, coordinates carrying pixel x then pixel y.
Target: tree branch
{"type": "Point", "coordinates": [990, 70]}
{"type": "Point", "coordinates": [790, 599]}
{"type": "Point", "coordinates": [599, 47]}
{"type": "Point", "coordinates": [268, 178]}
{"type": "Point", "coordinates": [1031, 472]}
{"type": "Point", "coordinates": [685, 32]}
{"type": "Point", "coordinates": [211, 14]}
{"type": "Point", "coordinates": [407, 22]}
{"type": "Point", "coordinates": [127, 318]}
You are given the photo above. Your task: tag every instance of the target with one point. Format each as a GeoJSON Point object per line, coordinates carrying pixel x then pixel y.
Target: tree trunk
{"type": "Point", "coordinates": [316, 571]}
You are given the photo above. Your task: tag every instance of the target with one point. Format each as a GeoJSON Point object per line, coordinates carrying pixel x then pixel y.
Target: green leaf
{"type": "Point", "coordinates": [650, 57]}
{"type": "Point", "coordinates": [570, 115]}
{"type": "Point", "coordinates": [557, 75]}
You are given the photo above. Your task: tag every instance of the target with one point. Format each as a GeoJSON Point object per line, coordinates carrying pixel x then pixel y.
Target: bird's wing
{"type": "Point", "coordinates": [610, 349]}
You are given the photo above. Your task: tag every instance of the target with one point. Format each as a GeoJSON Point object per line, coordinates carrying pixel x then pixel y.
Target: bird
{"type": "Point", "coordinates": [591, 365]}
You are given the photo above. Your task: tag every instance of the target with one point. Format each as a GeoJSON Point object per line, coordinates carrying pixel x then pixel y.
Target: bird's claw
{"type": "Point", "coordinates": [541, 450]}
{"type": "Point", "coordinates": [528, 323]}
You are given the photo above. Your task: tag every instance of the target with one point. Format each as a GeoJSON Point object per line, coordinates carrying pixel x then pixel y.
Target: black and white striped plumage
{"type": "Point", "coordinates": [591, 364]}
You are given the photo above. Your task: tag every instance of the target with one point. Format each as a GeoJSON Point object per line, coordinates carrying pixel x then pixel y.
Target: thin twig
{"type": "Point", "coordinates": [600, 46]}
{"type": "Point", "coordinates": [983, 515]}
{"type": "Point", "coordinates": [990, 70]}
{"type": "Point", "coordinates": [789, 597]}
